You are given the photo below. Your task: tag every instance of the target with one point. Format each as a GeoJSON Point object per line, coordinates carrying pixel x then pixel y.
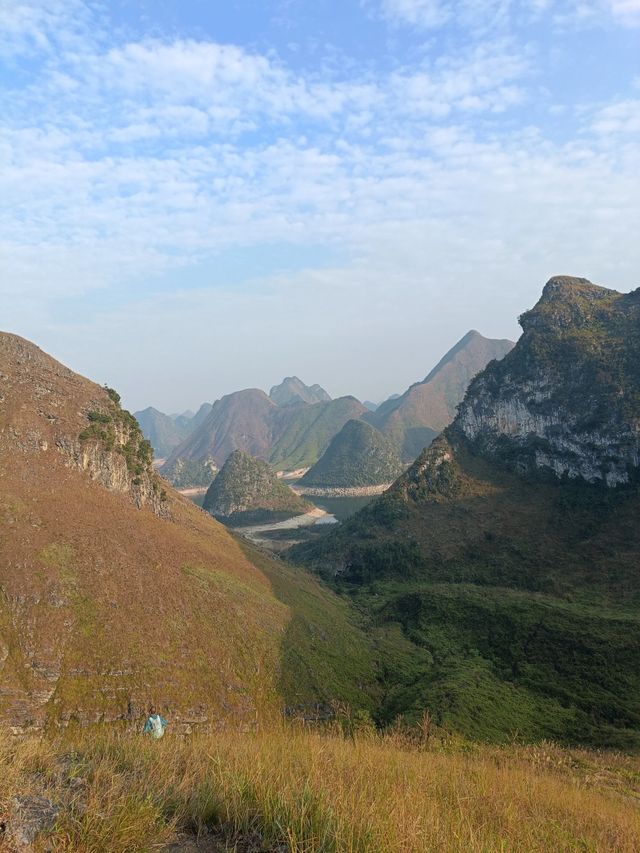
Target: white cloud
{"type": "Point", "coordinates": [422, 13]}
{"type": "Point", "coordinates": [626, 11]}
{"type": "Point", "coordinates": [483, 15]}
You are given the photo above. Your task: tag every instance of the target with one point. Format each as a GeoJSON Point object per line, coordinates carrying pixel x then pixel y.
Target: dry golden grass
{"type": "Point", "coordinates": [320, 792]}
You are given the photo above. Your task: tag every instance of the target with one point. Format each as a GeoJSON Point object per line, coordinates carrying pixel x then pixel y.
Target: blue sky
{"type": "Point", "coordinates": [201, 196]}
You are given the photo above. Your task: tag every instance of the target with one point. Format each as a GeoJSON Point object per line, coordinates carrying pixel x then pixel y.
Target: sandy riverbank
{"type": "Point", "coordinates": [336, 492]}
{"type": "Point", "coordinates": [197, 490]}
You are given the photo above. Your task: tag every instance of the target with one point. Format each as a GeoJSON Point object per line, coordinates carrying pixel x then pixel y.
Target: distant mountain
{"type": "Point", "coordinates": [291, 436]}
{"type": "Point", "coordinates": [200, 416]}
{"type": "Point", "coordinates": [302, 433]}
{"type": "Point", "coordinates": [293, 390]}
{"type": "Point", "coordinates": [238, 421]}
{"type": "Point", "coordinates": [247, 491]}
{"type": "Point", "coordinates": [166, 432]}
{"type": "Point", "coordinates": [501, 571]}
{"type": "Point", "coordinates": [412, 420]}
{"type": "Point", "coordinates": [358, 456]}
{"type": "Point", "coordinates": [368, 404]}
{"type": "Point", "coordinates": [161, 430]}
{"type": "Point", "coordinates": [183, 420]}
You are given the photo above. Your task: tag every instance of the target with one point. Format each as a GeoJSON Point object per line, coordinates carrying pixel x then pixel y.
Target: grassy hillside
{"type": "Point", "coordinates": [297, 790]}
{"type": "Point", "coordinates": [106, 606]}
{"type": "Point", "coordinates": [303, 433]}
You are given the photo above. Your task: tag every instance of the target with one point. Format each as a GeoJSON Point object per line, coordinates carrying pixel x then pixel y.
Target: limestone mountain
{"type": "Point", "coordinates": [247, 491]}
{"type": "Point", "coordinates": [302, 433]}
{"type": "Point", "coordinates": [166, 432]}
{"type": "Point", "coordinates": [501, 571]}
{"type": "Point", "coordinates": [117, 592]}
{"type": "Point", "coordinates": [181, 419]}
{"type": "Point", "coordinates": [293, 390]}
{"type": "Point", "coordinates": [238, 421]}
{"type": "Point", "coordinates": [358, 456]}
{"type": "Point", "coordinates": [200, 416]}
{"type": "Point", "coordinates": [578, 413]}
{"type": "Point", "coordinates": [412, 420]}
{"type": "Point", "coordinates": [292, 436]}
{"type": "Point", "coordinates": [161, 430]}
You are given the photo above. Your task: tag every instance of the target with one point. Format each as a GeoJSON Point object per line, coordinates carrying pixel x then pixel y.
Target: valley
{"type": "Point", "coordinates": [482, 598]}
{"type": "Point", "coordinates": [319, 426]}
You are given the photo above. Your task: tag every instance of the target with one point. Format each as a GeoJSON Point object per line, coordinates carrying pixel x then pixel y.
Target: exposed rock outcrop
{"type": "Point", "coordinates": [566, 399]}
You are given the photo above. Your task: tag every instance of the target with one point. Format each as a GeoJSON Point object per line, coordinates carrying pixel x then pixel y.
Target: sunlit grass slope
{"type": "Point", "coordinates": [310, 792]}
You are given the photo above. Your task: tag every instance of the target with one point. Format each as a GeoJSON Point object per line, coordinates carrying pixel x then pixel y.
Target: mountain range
{"type": "Point", "coordinates": [290, 436]}
{"type": "Point", "coordinates": [293, 426]}
{"type": "Point", "coordinates": [495, 584]}
{"type": "Point", "coordinates": [499, 575]}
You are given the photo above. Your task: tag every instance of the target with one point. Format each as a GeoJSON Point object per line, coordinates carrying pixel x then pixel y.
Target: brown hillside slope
{"type": "Point", "coordinates": [105, 606]}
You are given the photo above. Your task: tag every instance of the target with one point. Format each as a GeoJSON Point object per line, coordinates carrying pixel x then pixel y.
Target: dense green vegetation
{"type": "Point", "coordinates": [247, 491]}
{"type": "Point", "coordinates": [358, 455]}
{"type": "Point", "coordinates": [503, 606]}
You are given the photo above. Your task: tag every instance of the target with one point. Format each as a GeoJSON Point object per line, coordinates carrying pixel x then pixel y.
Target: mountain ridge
{"type": "Point", "coordinates": [413, 419]}
{"type": "Point", "coordinates": [293, 390]}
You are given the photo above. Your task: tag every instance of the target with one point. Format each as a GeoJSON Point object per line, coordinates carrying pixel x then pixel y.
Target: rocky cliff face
{"type": "Point", "coordinates": [566, 400]}
{"type": "Point", "coordinates": [95, 435]}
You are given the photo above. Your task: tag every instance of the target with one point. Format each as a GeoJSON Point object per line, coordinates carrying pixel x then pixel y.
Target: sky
{"type": "Point", "coordinates": [198, 196]}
